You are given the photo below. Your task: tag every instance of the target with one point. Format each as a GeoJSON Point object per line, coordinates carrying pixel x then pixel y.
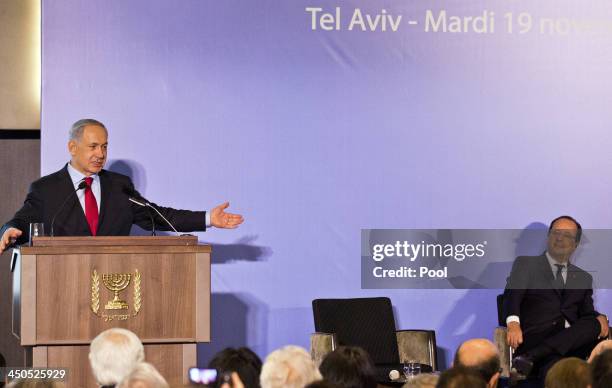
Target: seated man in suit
{"type": "Point", "coordinates": [82, 199]}
{"type": "Point", "coordinates": [549, 305]}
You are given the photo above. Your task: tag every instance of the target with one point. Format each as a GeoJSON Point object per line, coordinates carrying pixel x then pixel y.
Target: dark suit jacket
{"type": "Point", "coordinates": [530, 294]}
{"type": "Point", "coordinates": [117, 213]}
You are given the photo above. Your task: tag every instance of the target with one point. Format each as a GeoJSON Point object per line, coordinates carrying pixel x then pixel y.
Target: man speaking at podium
{"type": "Point", "coordinates": [82, 199]}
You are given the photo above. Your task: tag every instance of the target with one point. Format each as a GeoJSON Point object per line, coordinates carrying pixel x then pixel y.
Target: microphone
{"type": "Point", "coordinates": [139, 200]}
{"type": "Point", "coordinates": [81, 186]}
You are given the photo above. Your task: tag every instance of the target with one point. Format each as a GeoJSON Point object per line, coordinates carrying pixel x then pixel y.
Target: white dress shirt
{"type": "Point", "coordinates": [76, 177]}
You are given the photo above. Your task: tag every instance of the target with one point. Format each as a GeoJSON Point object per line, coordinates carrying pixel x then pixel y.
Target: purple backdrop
{"type": "Point", "coordinates": [314, 135]}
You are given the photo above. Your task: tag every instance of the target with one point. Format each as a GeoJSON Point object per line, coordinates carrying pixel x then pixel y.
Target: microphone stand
{"type": "Point", "coordinates": [144, 203]}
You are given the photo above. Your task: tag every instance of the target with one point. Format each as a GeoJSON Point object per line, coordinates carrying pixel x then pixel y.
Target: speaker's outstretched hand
{"type": "Point", "coordinates": [220, 219]}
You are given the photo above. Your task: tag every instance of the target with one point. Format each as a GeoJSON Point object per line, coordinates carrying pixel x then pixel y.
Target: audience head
{"type": "Point", "coordinates": [144, 375]}
{"type": "Point", "coordinates": [458, 377]}
{"type": "Point", "coordinates": [289, 367]}
{"type": "Point", "coordinates": [601, 346]}
{"type": "Point", "coordinates": [425, 380]}
{"type": "Point", "coordinates": [242, 361]}
{"type": "Point", "coordinates": [481, 356]}
{"type": "Point", "coordinates": [349, 367]}
{"type": "Point", "coordinates": [601, 369]}
{"type": "Point", "coordinates": [113, 354]}
{"type": "Point", "coordinates": [569, 372]}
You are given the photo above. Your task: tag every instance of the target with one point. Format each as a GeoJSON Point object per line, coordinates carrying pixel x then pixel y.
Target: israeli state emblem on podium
{"type": "Point", "coordinates": [115, 285]}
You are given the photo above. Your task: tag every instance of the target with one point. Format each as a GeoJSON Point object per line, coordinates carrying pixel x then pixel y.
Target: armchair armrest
{"type": "Point", "coordinates": [505, 352]}
{"type": "Point", "coordinates": [418, 345]}
{"type": "Point", "coordinates": [321, 344]}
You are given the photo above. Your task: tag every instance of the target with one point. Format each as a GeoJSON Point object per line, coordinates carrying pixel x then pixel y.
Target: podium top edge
{"type": "Point", "coordinates": [38, 242]}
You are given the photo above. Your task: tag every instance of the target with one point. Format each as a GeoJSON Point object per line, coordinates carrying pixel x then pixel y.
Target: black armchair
{"type": "Point", "coordinates": [369, 323]}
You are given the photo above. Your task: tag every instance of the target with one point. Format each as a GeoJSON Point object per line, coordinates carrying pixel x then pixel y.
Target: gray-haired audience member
{"type": "Point", "coordinates": [601, 369]}
{"type": "Point", "coordinates": [242, 361]}
{"type": "Point", "coordinates": [144, 375]}
{"type": "Point", "coordinates": [458, 377]}
{"type": "Point", "coordinates": [569, 372]}
{"type": "Point", "coordinates": [288, 367]}
{"type": "Point", "coordinates": [113, 354]}
{"type": "Point", "coordinates": [481, 356]}
{"type": "Point", "coordinates": [349, 367]}
{"type": "Point", "coordinates": [425, 380]}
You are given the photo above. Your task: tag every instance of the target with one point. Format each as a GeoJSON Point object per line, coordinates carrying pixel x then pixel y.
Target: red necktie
{"type": "Point", "coordinates": [91, 207]}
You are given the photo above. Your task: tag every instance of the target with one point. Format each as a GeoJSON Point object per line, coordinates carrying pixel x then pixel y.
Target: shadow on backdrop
{"type": "Point", "coordinates": [241, 250]}
{"type": "Point", "coordinates": [133, 169]}
{"type": "Point", "coordinates": [137, 174]}
{"type": "Point", "coordinates": [236, 320]}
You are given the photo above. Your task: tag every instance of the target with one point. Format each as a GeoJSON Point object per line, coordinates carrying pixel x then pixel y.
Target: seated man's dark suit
{"type": "Point", "coordinates": [542, 308]}
{"type": "Point", "coordinates": [117, 213]}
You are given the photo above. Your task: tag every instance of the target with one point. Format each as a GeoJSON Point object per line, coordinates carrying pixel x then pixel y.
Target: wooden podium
{"type": "Point", "coordinates": [66, 290]}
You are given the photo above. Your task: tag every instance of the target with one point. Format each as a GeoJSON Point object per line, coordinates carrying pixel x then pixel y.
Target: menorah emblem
{"type": "Point", "coordinates": [116, 282]}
